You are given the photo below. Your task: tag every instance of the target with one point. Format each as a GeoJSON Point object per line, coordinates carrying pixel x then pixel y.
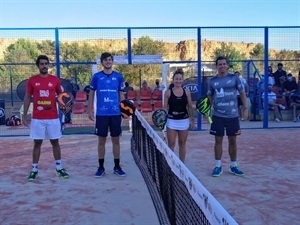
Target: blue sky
{"type": "Point", "coordinates": [148, 13]}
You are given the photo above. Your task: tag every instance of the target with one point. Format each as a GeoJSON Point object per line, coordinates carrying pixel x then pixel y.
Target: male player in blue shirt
{"type": "Point", "coordinates": [108, 86]}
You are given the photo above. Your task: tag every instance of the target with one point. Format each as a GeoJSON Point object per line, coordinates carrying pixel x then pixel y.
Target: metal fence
{"type": "Point", "coordinates": [73, 51]}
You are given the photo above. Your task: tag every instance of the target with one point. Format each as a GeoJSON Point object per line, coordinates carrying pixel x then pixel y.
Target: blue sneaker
{"type": "Point", "coordinates": [236, 171]}
{"type": "Point", "coordinates": [217, 171]}
{"type": "Point", "coordinates": [100, 172]}
{"type": "Point", "coordinates": [118, 171]}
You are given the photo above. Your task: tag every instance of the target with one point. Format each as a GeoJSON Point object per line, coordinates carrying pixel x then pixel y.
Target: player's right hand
{"type": "Point", "coordinates": [25, 121]}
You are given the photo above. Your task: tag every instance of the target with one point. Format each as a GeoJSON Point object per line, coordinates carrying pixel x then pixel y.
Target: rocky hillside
{"type": "Point", "coordinates": [185, 50]}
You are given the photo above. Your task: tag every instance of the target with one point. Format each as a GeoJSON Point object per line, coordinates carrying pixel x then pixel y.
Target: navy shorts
{"type": "Point", "coordinates": [220, 124]}
{"type": "Point", "coordinates": [111, 123]}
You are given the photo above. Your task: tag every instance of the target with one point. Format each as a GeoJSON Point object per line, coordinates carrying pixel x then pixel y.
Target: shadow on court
{"type": "Point", "coordinates": [81, 199]}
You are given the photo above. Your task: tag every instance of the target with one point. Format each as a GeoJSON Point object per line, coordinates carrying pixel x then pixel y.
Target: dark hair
{"type": "Point", "coordinates": [220, 58]}
{"type": "Point", "coordinates": [279, 64]}
{"type": "Point", "coordinates": [178, 71]}
{"type": "Point", "coordinates": [37, 62]}
{"type": "Point", "coordinates": [105, 55]}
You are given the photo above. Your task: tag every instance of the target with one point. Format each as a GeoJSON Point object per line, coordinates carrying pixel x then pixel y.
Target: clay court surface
{"type": "Point", "coordinates": [268, 194]}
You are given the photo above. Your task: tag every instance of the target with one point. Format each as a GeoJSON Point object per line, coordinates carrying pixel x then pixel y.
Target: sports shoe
{"type": "Point", "coordinates": [62, 173]}
{"type": "Point", "coordinates": [32, 176]}
{"type": "Point", "coordinates": [118, 171]}
{"type": "Point", "coordinates": [217, 171]}
{"type": "Point", "coordinates": [281, 106]}
{"type": "Point", "coordinates": [277, 120]}
{"type": "Point", "coordinates": [100, 172]}
{"type": "Point", "coordinates": [236, 171]}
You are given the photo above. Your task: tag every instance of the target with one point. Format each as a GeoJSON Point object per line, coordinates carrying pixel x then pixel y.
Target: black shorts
{"type": "Point", "coordinates": [113, 123]}
{"type": "Point", "coordinates": [220, 124]}
{"type": "Point", "coordinates": [239, 100]}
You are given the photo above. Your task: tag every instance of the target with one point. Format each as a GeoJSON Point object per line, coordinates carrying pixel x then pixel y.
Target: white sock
{"type": "Point", "coordinates": [218, 162]}
{"type": "Point", "coordinates": [58, 164]}
{"type": "Point", "coordinates": [34, 167]}
{"type": "Point", "coordinates": [233, 163]}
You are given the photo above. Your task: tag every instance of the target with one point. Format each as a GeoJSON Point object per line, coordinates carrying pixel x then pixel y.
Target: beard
{"type": "Point", "coordinates": [44, 71]}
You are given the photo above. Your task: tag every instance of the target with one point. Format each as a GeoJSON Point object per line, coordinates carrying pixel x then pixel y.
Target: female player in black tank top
{"type": "Point", "coordinates": [178, 104]}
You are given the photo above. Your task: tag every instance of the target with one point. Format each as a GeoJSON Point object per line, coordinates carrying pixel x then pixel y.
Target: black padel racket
{"type": "Point", "coordinates": [203, 107]}
{"type": "Point", "coordinates": [65, 102]}
{"type": "Point", "coordinates": [127, 108]}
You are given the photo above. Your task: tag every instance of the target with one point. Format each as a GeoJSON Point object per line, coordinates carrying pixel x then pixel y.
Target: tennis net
{"type": "Point", "coordinates": [178, 196]}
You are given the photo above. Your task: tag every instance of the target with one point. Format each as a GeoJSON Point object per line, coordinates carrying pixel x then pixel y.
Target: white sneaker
{"type": "Point", "coordinates": [277, 120]}
{"type": "Point", "coordinates": [281, 106]}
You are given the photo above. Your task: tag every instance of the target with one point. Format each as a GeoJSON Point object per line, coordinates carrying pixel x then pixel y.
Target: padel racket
{"type": "Point", "coordinates": [65, 102]}
{"type": "Point", "coordinates": [127, 108]}
{"type": "Point", "coordinates": [203, 107]}
{"type": "Point", "coordinates": [159, 119]}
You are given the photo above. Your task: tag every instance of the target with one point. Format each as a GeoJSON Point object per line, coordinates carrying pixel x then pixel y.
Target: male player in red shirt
{"type": "Point", "coordinates": [45, 123]}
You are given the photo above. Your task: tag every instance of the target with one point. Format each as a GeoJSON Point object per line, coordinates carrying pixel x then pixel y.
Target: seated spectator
{"type": "Point", "coordinates": [145, 86]}
{"type": "Point", "coordinates": [171, 85]}
{"type": "Point", "coordinates": [246, 90]}
{"type": "Point", "coordinates": [87, 91]}
{"type": "Point", "coordinates": [273, 105]}
{"type": "Point", "coordinates": [157, 86]}
{"type": "Point", "coordinates": [289, 87]}
{"type": "Point", "coordinates": [295, 104]}
{"type": "Point", "coordinates": [271, 80]}
{"type": "Point", "coordinates": [279, 75]}
{"type": "Point", "coordinates": [127, 88]}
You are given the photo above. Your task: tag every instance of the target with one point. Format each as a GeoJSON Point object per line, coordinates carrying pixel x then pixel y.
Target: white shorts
{"type": "Point", "coordinates": [178, 124]}
{"type": "Point", "coordinates": [45, 129]}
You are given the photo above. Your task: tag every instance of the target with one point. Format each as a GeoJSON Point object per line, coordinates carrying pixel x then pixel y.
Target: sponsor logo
{"type": "Point", "coordinates": [37, 84]}
{"type": "Point", "coordinates": [40, 102]}
{"type": "Point", "coordinates": [192, 87]}
{"type": "Point", "coordinates": [2, 112]}
{"type": "Point", "coordinates": [40, 108]}
{"type": "Point", "coordinates": [44, 93]}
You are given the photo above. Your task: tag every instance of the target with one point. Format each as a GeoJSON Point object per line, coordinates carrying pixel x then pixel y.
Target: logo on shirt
{"type": "Point", "coordinates": [37, 84]}
{"type": "Point", "coordinates": [44, 93]}
{"type": "Point", "coordinates": [50, 84]}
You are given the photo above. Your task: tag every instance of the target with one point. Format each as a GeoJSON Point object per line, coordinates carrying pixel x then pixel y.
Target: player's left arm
{"type": "Point", "coordinates": [190, 106]}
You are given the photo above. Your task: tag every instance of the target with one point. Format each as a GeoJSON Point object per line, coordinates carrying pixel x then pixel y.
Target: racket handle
{"type": "Point", "coordinates": [209, 120]}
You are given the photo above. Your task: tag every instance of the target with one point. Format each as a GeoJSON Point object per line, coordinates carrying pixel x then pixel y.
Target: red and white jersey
{"type": "Point", "coordinates": [44, 91]}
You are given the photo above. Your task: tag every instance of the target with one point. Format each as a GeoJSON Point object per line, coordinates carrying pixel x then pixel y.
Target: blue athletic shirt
{"type": "Point", "coordinates": [107, 87]}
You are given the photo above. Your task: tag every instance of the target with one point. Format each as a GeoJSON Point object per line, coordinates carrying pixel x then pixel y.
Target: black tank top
{"type": "Point", "coordinates": [177, 106]}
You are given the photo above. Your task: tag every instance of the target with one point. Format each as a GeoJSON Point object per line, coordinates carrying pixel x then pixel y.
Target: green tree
{"type": "Point", "coordinates": [135, 73]}
{"type": "Point", "coordinates": [232, 55]}
{"type": "Point", "coordinates": [257, 52]}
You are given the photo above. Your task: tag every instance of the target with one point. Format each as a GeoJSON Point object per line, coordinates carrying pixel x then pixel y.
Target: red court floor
{"type": "Point", "coordinates": [268, 194]}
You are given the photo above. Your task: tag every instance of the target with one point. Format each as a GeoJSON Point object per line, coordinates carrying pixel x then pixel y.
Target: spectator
{"type": "Point", "coordinates": [145, 86]}
{"type": "Point", "coordinates": [127, 88]}
{"type": "Point", "coordinates": [157, 86]}
{"type": "Point", "coordinates": [295, 103]}
{"type": "Point", "coordinates": [272, 104]}
{"type": "Point", "coordinates": [68, 117]}
{"type": "Point", "coordinates": [87, 91]}
{"type": "Point", "coordinates": [75, 86]}
{"type": "Point", "coordinates": [271, 80]}
{"type": "Point", "coordinates": [171, 85]}
{"type": "Point", "coordinates": [246, 90]}
{"type": "Point", "coordinates": [289, 87]}
{"type": "Point", "coordinates": [280, 75]}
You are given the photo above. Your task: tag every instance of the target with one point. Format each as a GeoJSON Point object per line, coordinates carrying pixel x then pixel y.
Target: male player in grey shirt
{"type": "Point", "coordinates": [222, 93]}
